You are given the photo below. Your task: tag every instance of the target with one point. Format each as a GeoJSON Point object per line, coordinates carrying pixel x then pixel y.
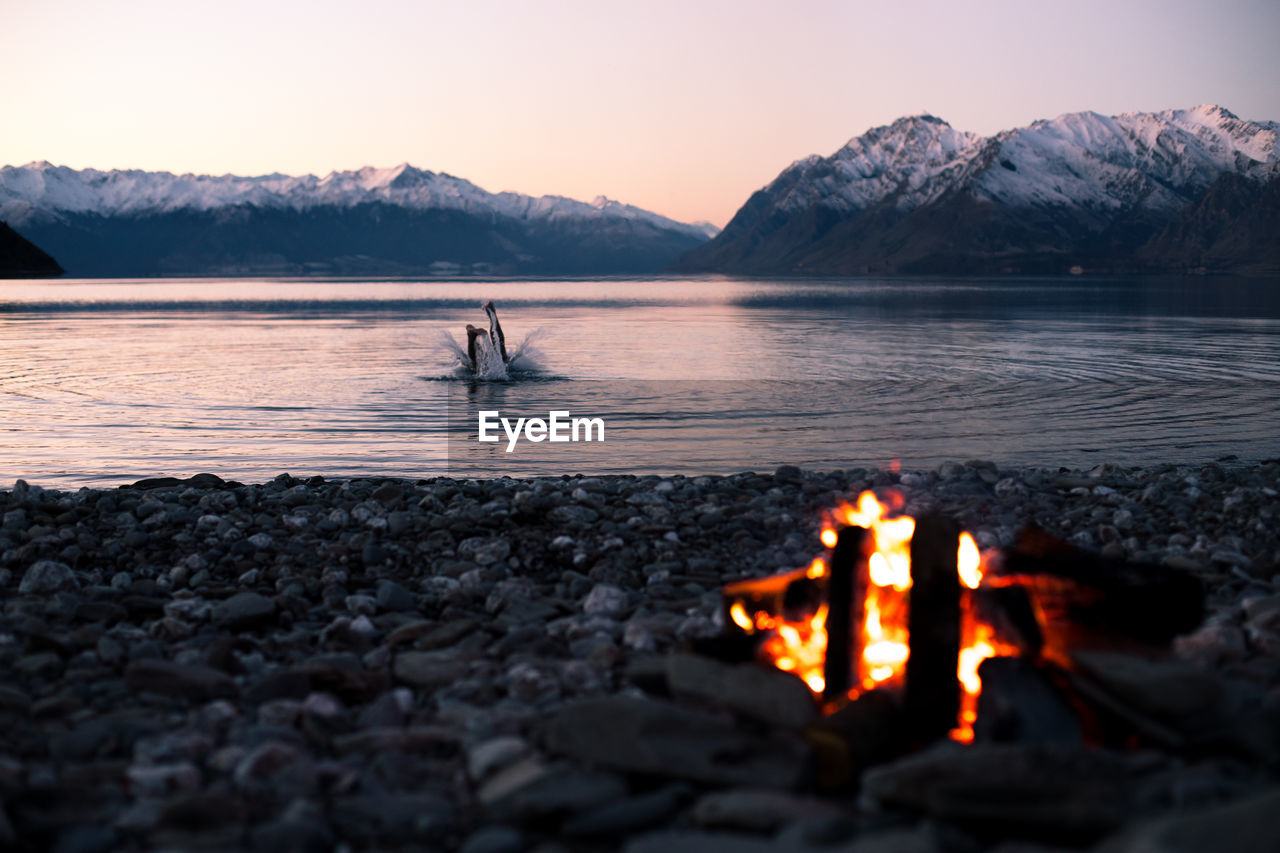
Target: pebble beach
{"type": "Point", "coordinates": [391, 664]}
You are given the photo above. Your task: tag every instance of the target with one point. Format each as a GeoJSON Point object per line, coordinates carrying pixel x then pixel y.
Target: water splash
{"type": "Point", "coordinates": [523, 360]}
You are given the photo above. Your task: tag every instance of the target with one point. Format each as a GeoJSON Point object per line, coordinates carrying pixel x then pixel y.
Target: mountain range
{"type": "Point", "coordinates": [397, 221]}
{"type": "Point", "coordinates": [1178, 190]}
{"type": "Point", "coordinates": [1195, 189]}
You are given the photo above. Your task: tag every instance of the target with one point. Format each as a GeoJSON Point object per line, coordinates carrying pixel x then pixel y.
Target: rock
{"type": "Point", "coordinates": [395, 817]}
{"type": "Point", "coordinates": [244, 611]}
{"type": "Point", "coordinates": [48, 576]}
{"type": "Point", "coordinates": [659, 738]}
{"type": "Point", "coordinates": [1212, 645]}
{"type": "Point", "coordinates": [276, 769]}
{"type": "Point", "coordinates": [528, 791]}
{"type": "Point", "coordinates": [279, 684]}
{"type": "Point", "coordinates": [428, 669]}
{"type": "Point", "coordinates": [385, 711]}
{"type": "Point", "coordinates": [425, 739]}
{"type": "Point", "coordinates": [605, 600]}
{"type": "Point", "coordinates": [687, 841]}
{"type": "Point", "coordinates": [490, 755]}
{"type": "Point", "coordinates": [292, 835]}
{"type": "Point", "coordinates": [388, 493]}
{"type": "Point", "coordinates": [1163, 689]}
{"type": "Point", "coordinates": [512, 778]}
{"type": "Point", "coordinates": [493, 839]}
{"type": "Point", "coordinates": [628, 815]}
{"type": "Point", "coordinates": [1070, 793]}
{"type": "Point", "coordinates": [762, 693]}
{"type": "Point", "coordinates": [161, 780]}
{"type": "Point", "coordinates": [180, 681]}
{"type": "Point", "coordinates": [361, 605]}
{"type": "Point", "coordinates": [14, 700]}
{"type": "Point", "coordinates": [788, 474]}
{"type": "Point", "coordinates": [1245, 826]}
{"type": "Point", "coordinates": [392, 596]}
{"type": "Point", "coordinates": [483, 551]}
{"type": "Point", "coordinates": [759, 810]}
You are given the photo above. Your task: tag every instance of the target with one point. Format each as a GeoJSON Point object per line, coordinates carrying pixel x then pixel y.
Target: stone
{"type": "Point", "coordinates": [605, 600]}
{"type": "Point", "coordinates": [628, 815]}
{"type": "Point", "coordinates": [643, 735]}
{"type": "Point", "coordinates": [277, 768]}
{"type": "Point", "coordinates": [483, 551]}
{"type": "Point", "coordinates": [528, 791]}
{"type": "Point", "coordinates": [788, 474]}
{"type": "Point", "coordinates": [759, 809]}
{"type": "Point", "coordinates": [425, 739]}
{"type": "Point", "coordinates": [161, 780]}
{"type": "Point", "coordinates": [493, 839]}
{"type": "Point", "coordinates": [532, 684]}
{"type": "Point", "coordinates": [1075, 793]}
{"type": "Point", "coordinates": [1213, 644]}
{"type": "Point", "coordinates": [1165, 689]}
{"type": "Point", "coordinates": [510, 779]}
{"type": "Point", "coordinates": [1245, 826]}
{"type": "Point", "coordinates": [428, 669]}
{"type": "Point", "coordinates": [392, 596]}
{"type": "Point", "coordinates": [180, 681]}
{"type": "Point", "coordinates": [48, 576]}
{"type": "Point", "coordinates": [244, 611]}
{"type": "Point", "coordinates": [398, 817]}
{"type": "Point", "coordinates": [292, 835]}
{"type": "Point", "coordinates": [688, 841]}
{"type": "Point", "coordinates": [385, 711]}
{"type": "Point", "coordinates": [762, 693]}
{"type": "Point", "coordinates": [488, 756]}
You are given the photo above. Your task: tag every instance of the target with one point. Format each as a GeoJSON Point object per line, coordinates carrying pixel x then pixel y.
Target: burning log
{"type": "Point", "coordinates": [890, 627]}
{"type": "Point", "coordinates": [1078, 593]}
{"type": "Point", "coordinates": [848, 577]}
{"type": "Point", "coordinates": [932, 700]}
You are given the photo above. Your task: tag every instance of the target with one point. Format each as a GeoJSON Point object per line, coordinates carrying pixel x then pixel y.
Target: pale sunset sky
{"type": "Point", "coordinates": [684, 108]}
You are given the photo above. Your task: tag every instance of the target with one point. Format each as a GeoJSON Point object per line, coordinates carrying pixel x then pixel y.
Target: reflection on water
{"type": "Point", "coordinates": [108, 381]}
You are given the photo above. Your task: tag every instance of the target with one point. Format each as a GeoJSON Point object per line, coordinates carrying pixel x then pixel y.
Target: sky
{"type": "Point", "coordinates": [684, 107]}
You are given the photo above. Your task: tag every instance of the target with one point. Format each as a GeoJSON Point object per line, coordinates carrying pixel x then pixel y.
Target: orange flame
{"type": "Point", "coordinates": [800, 647]}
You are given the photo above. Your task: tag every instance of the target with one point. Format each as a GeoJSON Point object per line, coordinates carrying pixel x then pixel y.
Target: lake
{"type": "Point", "coordinates": [106, 381]}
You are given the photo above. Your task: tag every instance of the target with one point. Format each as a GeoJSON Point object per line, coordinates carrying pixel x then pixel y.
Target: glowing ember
{"type": "Point", "coordinates": [969, 561]}
{"type": "Point", "coordinates": [801, 647]}
{"type": "Point", "coordinates": [980, 643]}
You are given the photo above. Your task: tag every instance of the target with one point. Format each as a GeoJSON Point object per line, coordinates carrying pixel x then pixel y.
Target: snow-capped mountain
{"type": "Point", "coordinates": [60, 207]}
{"type": "Point", "coordinates": [917, 195]}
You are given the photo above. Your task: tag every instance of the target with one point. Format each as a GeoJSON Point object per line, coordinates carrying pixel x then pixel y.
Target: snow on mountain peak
{"type": "Point", "coordinates": [901, 158]}
{"type": "Point", "coordinates": [43, 190]}
{"type": "Point", "coordinates": [1085, 160]}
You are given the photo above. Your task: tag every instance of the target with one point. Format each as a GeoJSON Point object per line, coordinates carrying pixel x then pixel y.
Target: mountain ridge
{"type": "Point", "coordinates": [917, 195]}
{"type": "Point", "coordinates": [135, 222]}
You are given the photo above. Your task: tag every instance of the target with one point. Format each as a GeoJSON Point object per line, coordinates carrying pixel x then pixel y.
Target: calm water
{"type": "Point", "coordinates": [104, 382]}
